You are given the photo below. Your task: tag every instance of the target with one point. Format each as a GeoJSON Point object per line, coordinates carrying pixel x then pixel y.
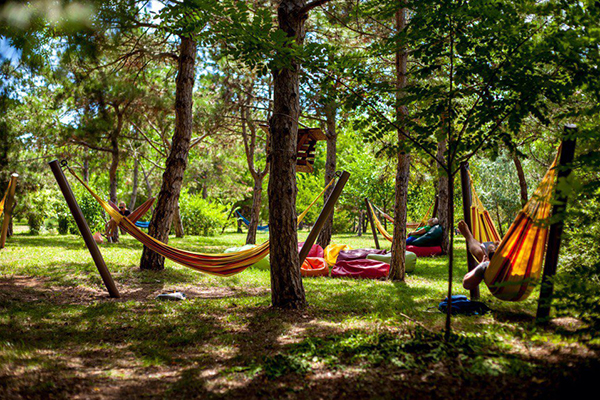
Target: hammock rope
{"type": "Point", "coordinates": [380, 226]}
{"type": "Point", "coordinates": [516, 265]}
{"type": "Point", "coordinates": [218, 264]}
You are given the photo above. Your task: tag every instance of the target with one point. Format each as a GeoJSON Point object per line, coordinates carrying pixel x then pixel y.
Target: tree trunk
{"type": "Point", "coordinates": [287, 290]}
{"type": "Point", "coordinates": [134, 189]}
{"type": "Point", "coordinates": [330, 166]}
{"type": "Point", "coordinates": [255, 211]}
{"type": "Point", "coordinates": [397, 263]}
{"type": "Point", "coordinates": [521, 175]}
{"type": "Point", "coordinates": [86, 168]}
{"type": "Point", "coordinates": [177, 161]}
{"type": "Point", "coordinates": [359, 229]}
{"type": "Point", "coordinates": [443, 198]}
{"type": "Point", "coordinates": [177, 223]}
{"type": "Point", "coordinates": [450, 212]}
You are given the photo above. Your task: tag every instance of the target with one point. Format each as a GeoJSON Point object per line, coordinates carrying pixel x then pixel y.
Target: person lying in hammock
{"type": "Point", "coordinates": [482, 252]}
{"type": "Point", "coordinates": [412, 236]}
{"type": "Point", "coordinates": [111, 226]}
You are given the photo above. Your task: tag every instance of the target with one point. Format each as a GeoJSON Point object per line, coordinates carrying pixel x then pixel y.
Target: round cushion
{"type": "Point", "coordinates": [358, 254]}
{"type": "Point", "coordinates": [361, 269]}
{"type": "Point", "coordinates": [433, 237]}
{"type": "Point", "coordinates": [425, 251]}
{"type": "Point", "coordinates": [331, 252]}
{"type": "Point", "coordinates": [410, 259]}
{"type": "Point", "coordinates": [314, 266]}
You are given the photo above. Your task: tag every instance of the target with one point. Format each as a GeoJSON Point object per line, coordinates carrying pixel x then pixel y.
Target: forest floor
{"type": "Point", "coordinates": [61, 336]}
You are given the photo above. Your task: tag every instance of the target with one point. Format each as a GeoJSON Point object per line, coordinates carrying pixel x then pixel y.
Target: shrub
{"type": "Point", "coordinates": [91, 210]}
{"type": "Point", "coordinates": [36, 207]}
{"type": "Point", "coordinates": [342, 221]}
{"type": "Point", "coordinates": [201, 217]}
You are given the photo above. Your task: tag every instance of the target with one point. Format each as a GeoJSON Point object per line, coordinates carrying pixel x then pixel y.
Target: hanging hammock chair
{"type": "Point", "coordinates": [516, 265]}
{"type": "Point", "coordinates": [224, 264]}
{"type": "Point", "coordinates": [264, 228]}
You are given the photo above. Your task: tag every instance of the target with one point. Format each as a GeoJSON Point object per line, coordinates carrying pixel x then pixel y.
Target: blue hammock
{"type": "Point", "coordinates": [142, 224]}
{"type": "Point", "coordinates": [246, 222]}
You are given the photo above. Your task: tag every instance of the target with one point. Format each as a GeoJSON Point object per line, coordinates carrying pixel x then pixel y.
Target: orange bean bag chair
{"type": "Point", "coordinates": [314, 266]}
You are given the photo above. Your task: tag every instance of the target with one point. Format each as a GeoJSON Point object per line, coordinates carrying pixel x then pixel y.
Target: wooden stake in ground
{"type": "Point", "coordinates": [370, 217]}
{"type": "Point", "coordinates": [554, 237]}
{"type": "Point", "coordinates": [465, 183]}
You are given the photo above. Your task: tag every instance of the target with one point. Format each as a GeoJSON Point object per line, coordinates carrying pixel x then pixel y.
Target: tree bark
{"type": "Point", "coordinates": [134, 188]}
{"type": "Point", "coordinates": [168, 197]}
{"type": "Point", "coordinates": [443, 198]}
{"type": "Point", "coordinates": [287, 290]}
{"type": "Point", "coordinates": [330, 166]}
{"type": "Point", "coordinates": [521, 175]}
{"type": "Point", "coordinates": [255, 211]}
{"type": "Point", "coordinates": [177, 223]}
{"type": "Point", "coordinates": [397, 263]}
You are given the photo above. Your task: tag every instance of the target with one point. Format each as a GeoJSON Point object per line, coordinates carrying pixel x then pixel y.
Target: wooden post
{"type": "Point", "coordinates": [554, 237]}
{"type": "Point", "coordinates": [84, 229]}
{"type": "Point", "coordinates": [465, 184]}
{"type": "Point", "coordinates": [370, 217]}
{"type": "Point", "coordinates": [325, 212]}
{"type": "Point", "coordinates": [8, 208]}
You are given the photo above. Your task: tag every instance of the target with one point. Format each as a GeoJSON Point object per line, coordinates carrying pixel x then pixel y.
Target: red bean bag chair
{"type": "Point", "coordinates": [361, 269]}
{"type": "Point", "coordinates": [314, 266]}
{"type": "Point", "coordinates": [315, 250]}
{"type": "Point", "coordinates": [425, 251]}
{"type": "Point", "coordinates": [358, 254]}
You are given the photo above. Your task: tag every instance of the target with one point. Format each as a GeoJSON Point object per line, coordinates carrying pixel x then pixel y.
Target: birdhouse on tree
{"type": "Point", "coordinates": [307, 143]}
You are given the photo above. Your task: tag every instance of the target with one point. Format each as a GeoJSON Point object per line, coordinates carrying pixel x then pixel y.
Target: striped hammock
{"type": "Point", "coordinates": [11, 182]}
{"type": "Point", "coordinates": [482, 227]}
{"type": "Point", "coordinates": [381, 228]}
{"type": "Point", "coordinates": [516, 265]}
{"type": "Point", "coordinates": [223, 264]}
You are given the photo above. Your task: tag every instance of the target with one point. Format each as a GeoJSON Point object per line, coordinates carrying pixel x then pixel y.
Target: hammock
{"type": "Point", "coordinates": [5, 196]}
{"type": "Point", "coordinates": [381, 228]}
{"type": "Point", "coordinates": [247, 223]}
{"type": "Point", "coordinates": [516, 265]}
{"type": "Point", "coordinates": [482, 227]}
{"type": "Point", "coordinates": [223, 264]}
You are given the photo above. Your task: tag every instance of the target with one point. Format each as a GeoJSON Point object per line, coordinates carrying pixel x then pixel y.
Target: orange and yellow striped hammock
{"type": "Point", "coordinates": [516, 266]}
{"type": "Point", "coordinates": [381, 228]}
{"type": "Point", "coordinates": [482, 226]}
{"type": "Point", "coordinates": [218, 264]}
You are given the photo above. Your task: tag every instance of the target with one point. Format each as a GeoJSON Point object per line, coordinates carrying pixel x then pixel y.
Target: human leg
{"type": "Point", "coordinates": [473, 245]}
{"type": "Point", "coordinates": [473, 278]}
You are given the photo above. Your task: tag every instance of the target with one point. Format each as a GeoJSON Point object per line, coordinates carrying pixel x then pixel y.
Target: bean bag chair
{"type": "Point", "coordinates": [432, 238]}
{"type": "Point", "coordinates": [331, 252]}
{"type": "Point", "coordinates": [425, 251]}
{"type": "Point", "coordinates": [264, 263]}
{"type": "Point", "coordinates": [315, 250]}
{"type": "Point", "coordinates": [358, 254]}
{"type": "Point", "coordinates": [314, 266]}
{"type": "Point", "coordinates": [98, 238]}
{"type": "Point", "coordinates": [361, 269]}
{"type": "Point", "coordinates": [409, 257]}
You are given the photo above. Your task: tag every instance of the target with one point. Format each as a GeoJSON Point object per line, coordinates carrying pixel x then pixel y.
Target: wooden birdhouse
{"type": "Point", "coordinates": [307, 142]}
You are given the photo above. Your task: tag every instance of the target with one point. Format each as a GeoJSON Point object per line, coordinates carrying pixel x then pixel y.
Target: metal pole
{"type": "Point", "coordinates": [8, 208]}
{"type": "Point", "coordinates": [370, 217]}
{"type": "Point", "coordinates": [325, 212]}
{"type": "Point", "coordinates": [554, 237]}
{"type": "Point", "coordinates": [84, 228]}
{"type": "Point", "coordinates": [465, 184]}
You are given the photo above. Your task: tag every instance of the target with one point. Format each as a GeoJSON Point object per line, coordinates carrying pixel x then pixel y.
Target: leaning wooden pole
{"type": "Point", "coordinates": [65, 188]}
{"type": "Point", "coordinates": [554, 237]}
{"type": "Point", "coordinates": [8, 206]}
{"type": "Point", "coordinates": [465, 183]}
{"type": "Point", "coordinates": [325, 212]}
{"type": "Point", "coordinates": [370, 217]}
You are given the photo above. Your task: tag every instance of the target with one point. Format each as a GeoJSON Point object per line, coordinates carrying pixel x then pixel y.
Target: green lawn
{"type": "Point", "coordinates": [61, 336]}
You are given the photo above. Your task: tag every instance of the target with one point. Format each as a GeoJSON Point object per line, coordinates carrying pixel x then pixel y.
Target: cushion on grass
{"type": "Point", "coordinates": [358, 254]}
{"type": "Point", "coordinates": [433, 237]}
{"type": "Point", "coordinates": [315, 250]}
{"type": "Point", "coordinates": [314, 266]}
{"type": "Point", "coordinates": [425, 251]}
{"type": "Point", "coordinates": [264, 263]}
{"type": "Point", "coordinates": [361, 269]}
{"type": "Point", "coordinates": [409, 264]}
{"type": "Point", "coordinates": [331, 252]}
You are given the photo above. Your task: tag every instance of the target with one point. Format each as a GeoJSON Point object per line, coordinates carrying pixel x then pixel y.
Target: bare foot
{"type": "Point", "coordinates": [463, 228]}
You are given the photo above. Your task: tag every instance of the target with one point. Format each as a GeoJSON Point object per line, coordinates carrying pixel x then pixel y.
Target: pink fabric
{"type": "Point", "coordinates": [425, 251]}
{"type": "Point", "coordinates": [315, 250]}
{"type": "Point", "coordinates": [361, 269]}
{"type": "Point", "coordinates": [358, 254]}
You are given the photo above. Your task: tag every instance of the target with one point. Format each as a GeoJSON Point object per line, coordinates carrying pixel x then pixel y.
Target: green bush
{"type": "Point", "coordinates": [92, 212]}
{"type": "Point", "coordinates": [342, 221]}
{"type": "Point", "coordinates": [201, 217]}
{"type": "Point", "coordinates": [36, 207]}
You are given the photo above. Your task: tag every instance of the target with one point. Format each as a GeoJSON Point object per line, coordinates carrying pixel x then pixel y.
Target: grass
{"type": "Point", "coordinates": [61, 336]}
